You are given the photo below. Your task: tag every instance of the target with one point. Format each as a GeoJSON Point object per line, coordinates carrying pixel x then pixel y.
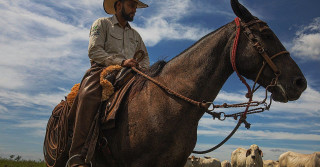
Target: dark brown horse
{"type": "Point", "coordinates": [155, 128]}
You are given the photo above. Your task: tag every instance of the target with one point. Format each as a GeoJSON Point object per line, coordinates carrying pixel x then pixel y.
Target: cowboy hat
{"type": "Point", "coordinates": [108, 5]}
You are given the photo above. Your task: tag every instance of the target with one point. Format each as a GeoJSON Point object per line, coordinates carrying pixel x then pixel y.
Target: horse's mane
{"type": "Point", "coordinates": [140, 81]}
{"type": "Point", "coordinates": [157, 67]}
{"type": "Point", "coordinates": [200, 40]}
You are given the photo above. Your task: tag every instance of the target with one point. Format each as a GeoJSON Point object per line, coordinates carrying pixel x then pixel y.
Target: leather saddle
{"type": "Point", "coordinates": [123, 81]}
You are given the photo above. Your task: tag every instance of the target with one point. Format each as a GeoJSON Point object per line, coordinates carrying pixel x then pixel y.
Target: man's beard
{"type": "Point", "coordinates": [126, 16]}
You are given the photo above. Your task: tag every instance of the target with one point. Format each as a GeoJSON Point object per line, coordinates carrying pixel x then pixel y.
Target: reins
{"type": "Point", "coordinates": [221, 115]}
{"type": "Point", "coordinates": [202, 104]}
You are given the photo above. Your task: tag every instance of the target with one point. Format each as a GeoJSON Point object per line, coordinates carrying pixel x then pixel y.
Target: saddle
{"type": "Point", "coordinates": [122, 83]}
{"type": "Point", "coordinates": [115, 82]}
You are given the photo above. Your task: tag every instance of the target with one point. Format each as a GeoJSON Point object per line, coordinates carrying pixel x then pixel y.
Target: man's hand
{"type": "Point", "coordinates": [130, 63]}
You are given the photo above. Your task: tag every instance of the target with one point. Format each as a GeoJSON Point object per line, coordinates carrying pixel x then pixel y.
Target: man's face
{"type": "Point", "coordinates": [129, 9]}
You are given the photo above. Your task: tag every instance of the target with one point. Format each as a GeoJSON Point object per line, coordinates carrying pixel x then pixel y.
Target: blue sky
{"type": "Point", "coordinates": [43, 52]}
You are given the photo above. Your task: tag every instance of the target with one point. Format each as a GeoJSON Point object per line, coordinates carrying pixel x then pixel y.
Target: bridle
{"type": "Point", "coordinates": [221, 115]}
{"type": "Point", "coordinates": [259, 48]}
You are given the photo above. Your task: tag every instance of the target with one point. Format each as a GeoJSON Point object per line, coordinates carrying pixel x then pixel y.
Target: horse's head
{"type": "Point", "coordinates": [259, 46]}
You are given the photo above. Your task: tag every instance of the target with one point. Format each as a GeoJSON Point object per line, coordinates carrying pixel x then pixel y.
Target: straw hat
{"type": "Point", "coordinates": [108, 5]}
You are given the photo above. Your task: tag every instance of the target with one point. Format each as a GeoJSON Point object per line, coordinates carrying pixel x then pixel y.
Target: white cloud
{"type": "Point", "coordinates": [18, 99]}
{"type": "Point", "coordinates": [164, 23]}
{"type": "Point", "coordinates": [35, 46]}
{"type": "Point", "coordinates": [231, 97]}
{"type": "Point", "coordinates": [285, 125]}
{"type": "Point", "coordinates": [10, 78]}
{"type": "Point", "coordinates": [307, 41]}
{"type": "Point", "coordinates": [262, 135]}
{"type": "Point", "coordinates": [307, 105]}
{"type": "Point", "coordinates": [38, 127]}
{"type": "Point", "coordinates": [210, 124]}
{"type": "Point", "coordinates": [32, 124]}
{"type": "Point", "coordinates": [3, 109]}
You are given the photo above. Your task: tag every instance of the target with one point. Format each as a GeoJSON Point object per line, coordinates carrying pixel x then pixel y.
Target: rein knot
{"type": "Point", "coordinates": [248, 95]}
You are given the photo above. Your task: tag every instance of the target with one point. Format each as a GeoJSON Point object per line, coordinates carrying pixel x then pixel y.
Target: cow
{"type": "Point", "coordinates": [202, 162]}
{"type": "Point", "coordinates": [293, 159]}
{"type": "Point", "coordinates": [270, 163]}
{"type": "Point", "coordinates": [189, 162]}
{"type": "Point", "coordinates": [225, 163]}
{"type": "Point", "coordinates": [251, 157]}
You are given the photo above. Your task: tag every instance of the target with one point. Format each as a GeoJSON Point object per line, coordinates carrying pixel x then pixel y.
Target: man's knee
{"type": "Point", "coordinates": [90, 95]}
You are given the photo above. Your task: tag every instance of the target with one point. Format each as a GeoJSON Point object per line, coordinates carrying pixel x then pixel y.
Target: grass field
{"type": "Point", "coordinates": [17, 162]}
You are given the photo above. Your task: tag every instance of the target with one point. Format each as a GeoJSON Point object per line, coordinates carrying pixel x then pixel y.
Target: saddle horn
{"type": "Point", "coordinates": [241, 11]}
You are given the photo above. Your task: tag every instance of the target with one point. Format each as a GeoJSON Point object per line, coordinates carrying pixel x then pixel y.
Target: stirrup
{"type": "Point", "coordinates": [77, 155]}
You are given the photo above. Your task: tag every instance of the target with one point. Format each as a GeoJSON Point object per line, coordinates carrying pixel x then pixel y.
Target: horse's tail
{"type": "Point", "coordinates": [56, 145]}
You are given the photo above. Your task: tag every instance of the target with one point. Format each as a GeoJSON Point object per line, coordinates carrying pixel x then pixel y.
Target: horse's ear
{"type": "Point", "coordinates": [240, 11]}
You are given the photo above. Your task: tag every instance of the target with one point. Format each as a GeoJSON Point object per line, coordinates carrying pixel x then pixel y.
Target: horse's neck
{"type": "Point", "coordinates": [201, 71]}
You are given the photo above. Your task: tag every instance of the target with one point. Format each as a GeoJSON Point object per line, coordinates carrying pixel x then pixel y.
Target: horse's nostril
{"type": "Point", "coordinates": [301, 83]}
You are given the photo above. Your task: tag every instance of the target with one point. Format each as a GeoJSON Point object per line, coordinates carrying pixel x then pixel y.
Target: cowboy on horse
{"type": "Point", "coordinates": [113, 42]}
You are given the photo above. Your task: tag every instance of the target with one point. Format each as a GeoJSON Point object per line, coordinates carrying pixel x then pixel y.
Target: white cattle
{"type": "Point", "coordinates": [251, 157]}
{"type": "Point", "coordinates": [188, 163]}
{"type": "Point", "coordinates": [225, 163]}
{"type": "Point", "coordinates": [202, 162]}
{"type": "Point", "coordinates": [270, 163]}
{"type": "Point", "coordinates": [293, 159]}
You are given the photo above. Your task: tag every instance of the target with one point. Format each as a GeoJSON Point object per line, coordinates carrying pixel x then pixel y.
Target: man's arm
{"type": "Point", "coordinates": [145, 63]}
